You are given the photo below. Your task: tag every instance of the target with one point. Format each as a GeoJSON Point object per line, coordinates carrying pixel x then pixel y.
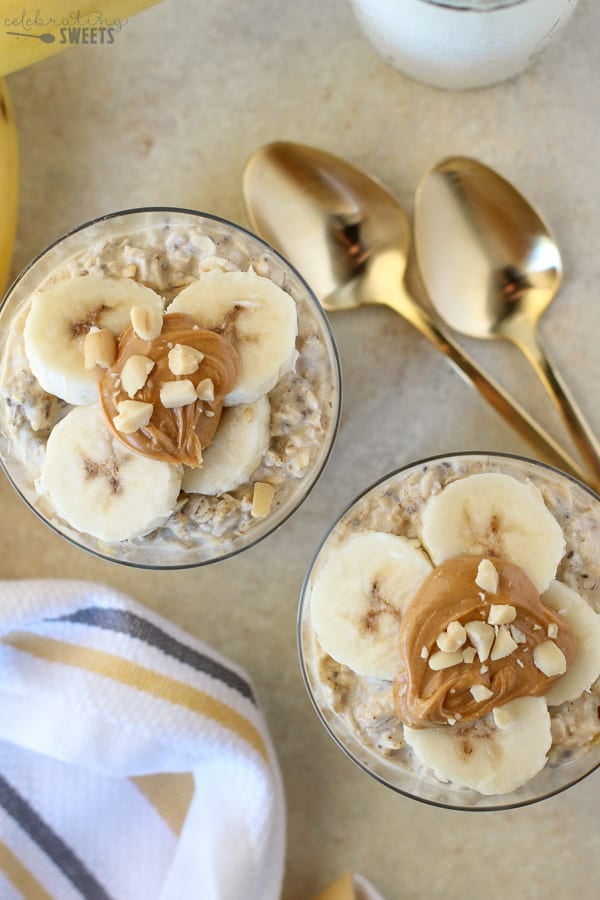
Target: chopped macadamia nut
{"type": "Point", "coordinates": [441, 660]}
{"type": "Point", "coordinates": [206, 390]}
{"type": "Point", "coordinates": [457, 631]}
{"type": "Point", "coordinates": [517, 634]}
{"type": "Point", "coordinates": [481, 636]}
{"type": "Point", "coordinates": [452, 639]}
{"type": "Point", "coordinates": [424, 652]}
{"type": "Point", "coordinates": [552, 630]}
{"type": "Point", "coordinates": [549, 659]}
{"type": "Point", "coordinates": [501, 614]}
{"type": "Point", "coordinates": [503, 645]}
{"type": "Point", "coordinates": [99, 348]}
{"type": "Point", "coordinates": [480, 692]}
{"type": "Point", "coordinates": [147, 323]}
{"type": "Point", "coordinates": [135, 373]}
{"type": "Point", "coordinates": [469, 654]}
{"type": "Point", "coordinates": [262, 499]}
{"type": "Point", "coordinates": [132, 416]}
{"type": "Point", "coordinates": [177, 393]}
{"type": "Point", "coordinates": [184, 360]}
{"type": "Point", "coordinates": [487, 576]}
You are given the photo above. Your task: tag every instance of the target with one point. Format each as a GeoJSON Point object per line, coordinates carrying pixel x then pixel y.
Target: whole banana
{"type": "Point", "coordinates": [9, 183]}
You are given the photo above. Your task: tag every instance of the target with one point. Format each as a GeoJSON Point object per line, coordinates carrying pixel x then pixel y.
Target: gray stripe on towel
{"type": "Point", "coordinates": [135, 626]}
{"type": "Point", "coordinates": [52, 845]}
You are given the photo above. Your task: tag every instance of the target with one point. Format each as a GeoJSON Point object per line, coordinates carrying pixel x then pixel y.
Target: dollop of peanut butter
{"type": "Point", "coordinates": [425, 697]}
{"type": "Point", "coordinates": [172, 435]}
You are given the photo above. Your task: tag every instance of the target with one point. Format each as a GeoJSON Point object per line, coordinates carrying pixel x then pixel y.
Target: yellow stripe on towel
{"type": "Point", "coordinates": [170, 794]}
{"type": "Point", "coordinates": [141, 678]}
{"type": "Point", "coordinates": [20, 877]}
{"type": "Point", "coordinates": [342, 889]}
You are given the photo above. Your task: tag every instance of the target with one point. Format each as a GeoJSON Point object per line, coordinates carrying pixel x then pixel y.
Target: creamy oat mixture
{"type": "Point", "coordinates": [366, 705]}
{"type": "Point", "coordinates": [167, 258]}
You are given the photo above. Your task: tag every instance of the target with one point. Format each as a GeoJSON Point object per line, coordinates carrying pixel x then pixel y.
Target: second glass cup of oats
{"type": "Point", "coordinates": [449, 631]}
{"type": "Point", "coordinates": [169, 388]}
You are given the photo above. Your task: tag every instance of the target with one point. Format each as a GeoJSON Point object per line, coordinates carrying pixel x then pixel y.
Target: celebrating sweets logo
{"type": "Point", "coordinates": [75, 28]}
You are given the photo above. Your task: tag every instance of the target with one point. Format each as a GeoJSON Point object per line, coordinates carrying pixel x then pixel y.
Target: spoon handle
{"type": "Point", "coordinates": [470, 371]}
{"type": "Point", "coordinates": [521, 333]}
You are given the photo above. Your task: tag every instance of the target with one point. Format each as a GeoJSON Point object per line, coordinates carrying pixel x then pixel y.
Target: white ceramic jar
{"type": "Point", "coordinates": [458, 44]}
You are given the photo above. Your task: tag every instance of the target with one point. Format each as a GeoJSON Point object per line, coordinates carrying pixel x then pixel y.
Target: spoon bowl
{"type": "Point", "coordinates": [491, 267]}
{"type": "Point", "coordinates": [326, 215]}
{"type": "Point", "coordinates": [351, 240]}
{"type": "Point", "coordinates": [486, 256]}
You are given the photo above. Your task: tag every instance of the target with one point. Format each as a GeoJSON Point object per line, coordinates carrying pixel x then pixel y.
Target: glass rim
{"type": "Point", "coordinates": [405, 792]}
{"type": "Point", "coordinates": [476, 6]}
{"type": "Point", "coordinates": [333, 357]}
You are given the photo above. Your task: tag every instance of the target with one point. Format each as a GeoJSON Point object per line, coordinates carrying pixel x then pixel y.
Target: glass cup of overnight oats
{"type": "Point", "coordinates": [449, 631]}
{"type": "Point", "coordinates": [169, 388]}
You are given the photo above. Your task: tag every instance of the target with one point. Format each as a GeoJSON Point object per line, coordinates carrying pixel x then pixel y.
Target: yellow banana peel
{"type": "Point", "coordinates": [9, 183]}
{"type": "Point", "coordinates": [29, 34]}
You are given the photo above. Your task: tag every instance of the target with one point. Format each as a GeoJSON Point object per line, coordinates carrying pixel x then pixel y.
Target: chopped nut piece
{"type": "Point", "coordinates": [483, 670]}
{"type": "Point", "coordinates": [424, 652]}
{"type": "Point", "coordinates": [503, 645]}
{"type": "Point", "coordinates": [441, 660]}
{"type": "Point", "coordinates": [481, 636]}
{"type": "Point", "coordinates": [129, 271]}
{"type": "Point", "coordinates": [517, 634]}
{"type": "Point", "coordinates": [552, 630]}
{"type": "Point", "coordinates": [501, 614]}
{"type": "Point", "coordinates": [487, 576]}
{"type": "Point", "coordinates": [502, 716]}
{"type": "Point", "coordinates": [132, 416]}
{"type": "Point", "coordinates": [135, 373]}
{"type": "Point", "coordinates": [184, 360]}
{"type": "Point", "coordinates": [549, 659]}
{"type": "Point", "coordinates": [177, 393]}
{"type": "Point", "coordinates": [452, 639]}
{"type": "Point", "coordinates": [262, 499]}
{"type": "Point", "coordinates": [147, 323]}
{"type": "Point", "coordinates": [520, 663]}
{"type": "Point", "coordinates": [469, 654]}
{"type": "Point", "coordinates": [480, 692]}
{"type": "Point", "coordinates": [456, 630]}
{"type": "Point", "coordinates": [206, 390]}
{"type": "Point", "coordinates": [99, 348]}
{"type": "Point", "coordinates": [451, 721]}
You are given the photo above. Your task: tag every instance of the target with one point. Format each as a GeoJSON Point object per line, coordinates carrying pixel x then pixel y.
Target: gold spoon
{"type": "Point", "coordinates": [491, 267]}
{"type": "Point", "coordinates": [350, 239]}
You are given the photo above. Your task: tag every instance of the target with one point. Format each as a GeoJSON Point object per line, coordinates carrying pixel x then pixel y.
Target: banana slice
{"type": "Point", "coordinates": [99, 486]}
{"type": "Point", "coordinates": [59, 319]}
{"type": "Point", "coordinates": [586, 626]}
{"type": "Point", "coordinates": [258, 318]}
{"type": "Point", "coordinates": [358, 597]}
{"type": "Point", "coordinates": [494, 515]}
{"type": "Point", "coordinates": [486, 756]}
{"type": "Point", "coordinates": [237, 448]}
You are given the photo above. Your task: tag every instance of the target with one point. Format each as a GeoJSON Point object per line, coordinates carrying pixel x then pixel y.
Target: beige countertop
{"type": "Point", "coordinates": [167, 115]}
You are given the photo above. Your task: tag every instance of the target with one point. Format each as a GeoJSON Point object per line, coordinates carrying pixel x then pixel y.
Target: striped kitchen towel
{"type": "Point", "coordinates": [134, 761]}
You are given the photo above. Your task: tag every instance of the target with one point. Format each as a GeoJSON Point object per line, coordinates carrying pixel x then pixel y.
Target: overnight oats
{"type": "Point", "coordinates": [449, 631]}
{"type": "Point", "coordinates": [169, 388]}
